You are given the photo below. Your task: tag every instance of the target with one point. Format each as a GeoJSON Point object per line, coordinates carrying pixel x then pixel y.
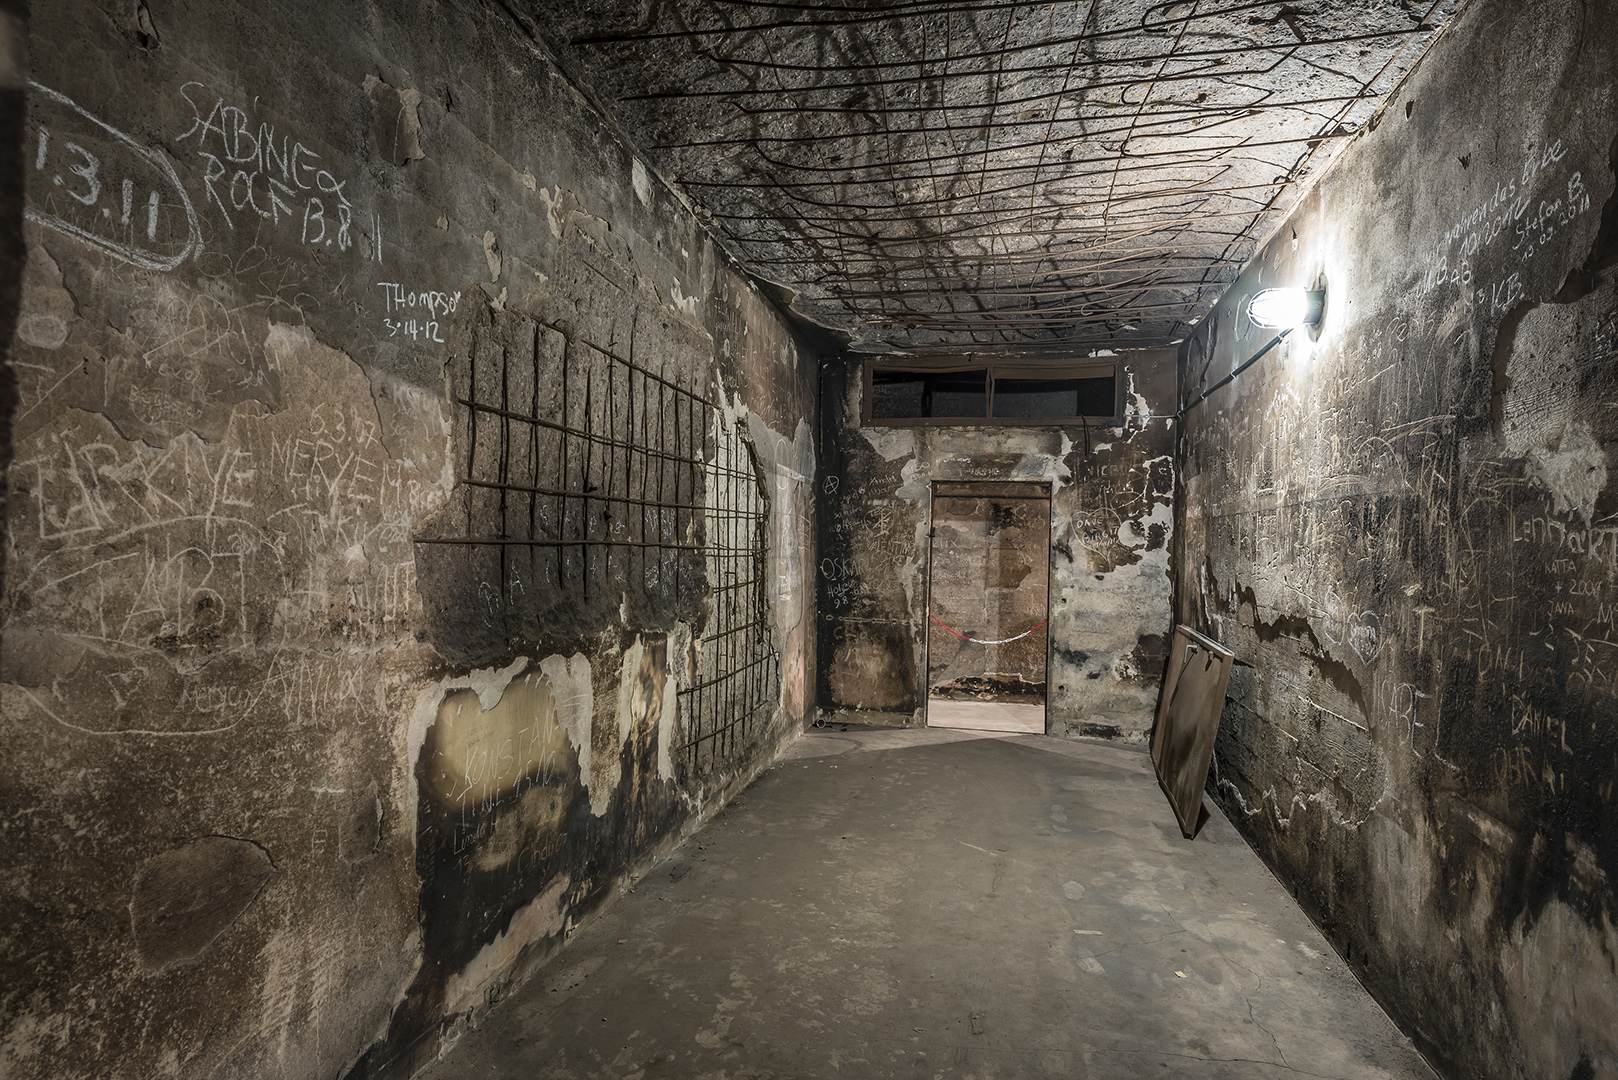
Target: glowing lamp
{"type": "Point", "coordinates": [1286, 309]}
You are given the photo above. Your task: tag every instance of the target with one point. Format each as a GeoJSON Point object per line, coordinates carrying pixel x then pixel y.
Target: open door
{"type": "Point", "coordinates": [988, 588]}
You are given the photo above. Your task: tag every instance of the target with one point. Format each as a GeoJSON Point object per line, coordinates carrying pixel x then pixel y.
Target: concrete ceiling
{"type": "Point", "coordinates": [972, 175]}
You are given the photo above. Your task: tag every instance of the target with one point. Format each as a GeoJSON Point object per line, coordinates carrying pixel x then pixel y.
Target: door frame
{"type": "Point", "coordinates": [1047, 492]}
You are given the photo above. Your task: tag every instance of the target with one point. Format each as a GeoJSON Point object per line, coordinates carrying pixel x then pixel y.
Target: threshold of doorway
{"type": "Point", "coordinates": [986, 716]}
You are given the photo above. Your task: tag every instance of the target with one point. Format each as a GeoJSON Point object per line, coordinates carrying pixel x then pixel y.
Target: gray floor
{"type": "Point", "coordinates": [935, 903]}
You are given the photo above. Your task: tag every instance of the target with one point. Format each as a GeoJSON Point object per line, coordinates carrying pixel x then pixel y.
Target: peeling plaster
{"type": "Point", "coordinates": [543, 917]}
{"type": "Point", "coordinates": [1574, 472]}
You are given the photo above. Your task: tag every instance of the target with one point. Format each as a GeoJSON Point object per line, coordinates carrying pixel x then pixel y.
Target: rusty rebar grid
{"type": "Point", "coordinates": [734, 688]}
{"type": "Point", "coordinates": [583, 473]}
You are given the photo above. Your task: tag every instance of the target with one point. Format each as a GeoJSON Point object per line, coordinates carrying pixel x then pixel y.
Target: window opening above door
{"type": "Point", "coordinates": [918, 392]}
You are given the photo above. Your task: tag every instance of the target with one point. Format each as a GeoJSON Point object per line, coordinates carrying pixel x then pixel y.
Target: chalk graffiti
{"type": "Point", "coordinates": [245, 172]}
{"type": "Point", "coordinates": [401, 304]}
{"type": "Point", "coordinates": [105, 188]}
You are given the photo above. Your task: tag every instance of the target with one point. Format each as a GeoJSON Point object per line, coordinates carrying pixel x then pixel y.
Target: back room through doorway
{"type": "Point", "coordinates": [988, 595]}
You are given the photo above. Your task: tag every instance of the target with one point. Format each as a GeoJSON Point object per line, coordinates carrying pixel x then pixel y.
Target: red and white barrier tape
{"type": "Point", "coordinates": [976, 641]}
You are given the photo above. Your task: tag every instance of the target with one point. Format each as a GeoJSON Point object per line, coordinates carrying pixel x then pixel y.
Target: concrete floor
{"type": "Point", "coordinates": [934, 903]}
{"type": "Point", "coordinates": [986, 716]}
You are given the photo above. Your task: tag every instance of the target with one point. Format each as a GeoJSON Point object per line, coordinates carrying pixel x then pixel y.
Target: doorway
{"type": "Point", "coordinates": [988, 606]}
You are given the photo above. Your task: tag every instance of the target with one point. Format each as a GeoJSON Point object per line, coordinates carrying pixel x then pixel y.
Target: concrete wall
{"type": "Point", "coordinates": [1110, 529]}
{"type": "Point", "coordinates": [1404, 528]}
{"type": "Point", "coordinates": [287, 790]}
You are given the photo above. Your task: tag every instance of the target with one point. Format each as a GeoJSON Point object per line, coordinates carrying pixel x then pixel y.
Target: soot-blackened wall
{"type": "Point", "coordinates": [1112, 491]}
{"type": "Point", "coordinates": [1403, 526]}
{"type": "Point", "coordinates": [408, 533]}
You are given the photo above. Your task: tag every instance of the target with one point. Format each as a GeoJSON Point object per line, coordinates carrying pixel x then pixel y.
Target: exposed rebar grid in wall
{"type": "Point", "coordinates": [737, 668]}
{"type": "Point", "coordinates": [581, 470]}
{"type": "Point", "coordinates": [588, 479]}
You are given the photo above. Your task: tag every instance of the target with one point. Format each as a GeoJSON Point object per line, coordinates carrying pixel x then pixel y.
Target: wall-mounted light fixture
{"type": "Point", "coordinates": [1273, 309]}
{"type": "Point", "coordinates": [1286, 309]}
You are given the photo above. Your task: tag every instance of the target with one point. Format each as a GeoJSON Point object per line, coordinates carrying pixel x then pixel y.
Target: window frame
{"type": "Point", "coordinates": [1086, 368]}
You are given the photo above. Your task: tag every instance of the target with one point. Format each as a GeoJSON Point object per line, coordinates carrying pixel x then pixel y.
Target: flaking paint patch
{"type": "Point", "coordinates": [480, 755]}
{"type": "Point", "coordinates": [574, 694]}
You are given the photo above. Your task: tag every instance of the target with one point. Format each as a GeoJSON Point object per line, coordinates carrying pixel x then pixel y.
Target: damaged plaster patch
{"type": "Point", "coordinates": [491, 254]}
{"type": "Point", "coordinates": [892, 443]}
{"type": "Point", "coordinates": [1536, 411]}
{"type": "Point", "coordinates": [640, 181]}
{"type": "Point", "coordinates": [574, 695]}
{"type": "Point", "coordinates": [682, 303]}
{"type": "Point", "coordinates": [540, 918]}
{"type": "Point", "coordinates": [38, 657]}
{"type": "Point", "coordinates": [488, 683]}
{"type": "Point", "coordinates": [1559, 1004]}
{"type": "Point", "coordinates": [477, 756]}
{"type": "Point", "coordinates": [608, 766]}
{"type": "Point", "coordinates": [398, 120]}
{"type": "Point", "coordinates": [914, 484]}
{"type": "Point", "coordinates": [493, 729]}
{"type": "Point", "coordinates": [679, 675]}
{"type": "Point", "coordinates": [1575, 472]}
{"type": "Point", "coordinates": [405, 411]}
{"type": "Point", "coordinates": [1137, 407]}
{"type": "Point", "coordinates": [189, 897]}
{"type": "Point", "coordinates": [1064, 476]}
{"type": "Point", "coordinates": [42, 330]}
{"type": "Point", "coordinates": [643, 696]}
{"type": "Point", "coordinates": [553, 209]}
{"type": "Point", "coordinates": [1534, 402]}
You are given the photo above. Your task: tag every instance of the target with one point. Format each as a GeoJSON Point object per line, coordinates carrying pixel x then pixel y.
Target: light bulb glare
{"type": "Point", "coordinates": [1286, 309]}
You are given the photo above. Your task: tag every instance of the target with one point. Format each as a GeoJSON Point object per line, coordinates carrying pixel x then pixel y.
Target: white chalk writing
{"type": "Point", "coordinates": [400, 305]}
{"type": "Point", "coordinates": [106, 189]}
{"type": "Point", "coordinates": [247, 172]}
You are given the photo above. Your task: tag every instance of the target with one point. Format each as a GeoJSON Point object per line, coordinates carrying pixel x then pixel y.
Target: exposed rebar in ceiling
{"type": "Point", "coordinates": [931, 175]}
